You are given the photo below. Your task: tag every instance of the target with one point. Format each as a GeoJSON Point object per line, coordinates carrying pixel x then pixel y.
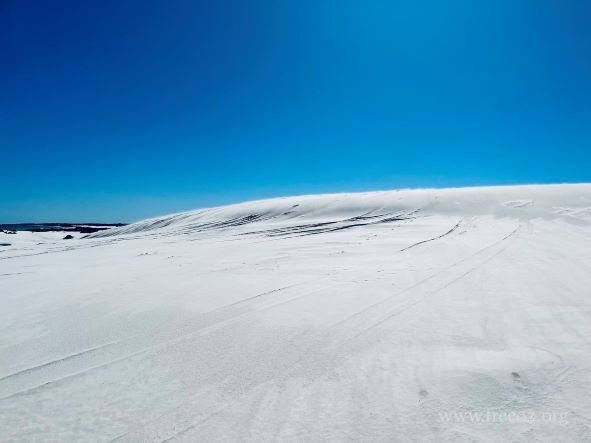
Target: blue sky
{"type": "Point", "coordinates": [118, 110]}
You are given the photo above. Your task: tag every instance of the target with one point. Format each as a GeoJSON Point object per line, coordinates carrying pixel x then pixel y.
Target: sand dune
{"type": "Point", "coordinates": [383, 316]}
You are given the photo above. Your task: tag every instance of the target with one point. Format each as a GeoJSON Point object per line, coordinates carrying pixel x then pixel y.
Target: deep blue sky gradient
{"type": "Point", "coordinates": [118, 110]}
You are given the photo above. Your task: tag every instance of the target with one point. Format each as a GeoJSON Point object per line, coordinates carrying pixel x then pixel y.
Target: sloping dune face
{"type": "Point", "coordinates": [420, 315]}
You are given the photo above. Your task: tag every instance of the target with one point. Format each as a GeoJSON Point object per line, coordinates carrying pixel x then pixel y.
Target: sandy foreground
{"type": "Point", "coordinates": [420, 315]}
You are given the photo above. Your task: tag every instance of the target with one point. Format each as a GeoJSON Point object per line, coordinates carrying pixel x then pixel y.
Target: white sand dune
{"type": "Point", "coordinates": [385, 316]}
